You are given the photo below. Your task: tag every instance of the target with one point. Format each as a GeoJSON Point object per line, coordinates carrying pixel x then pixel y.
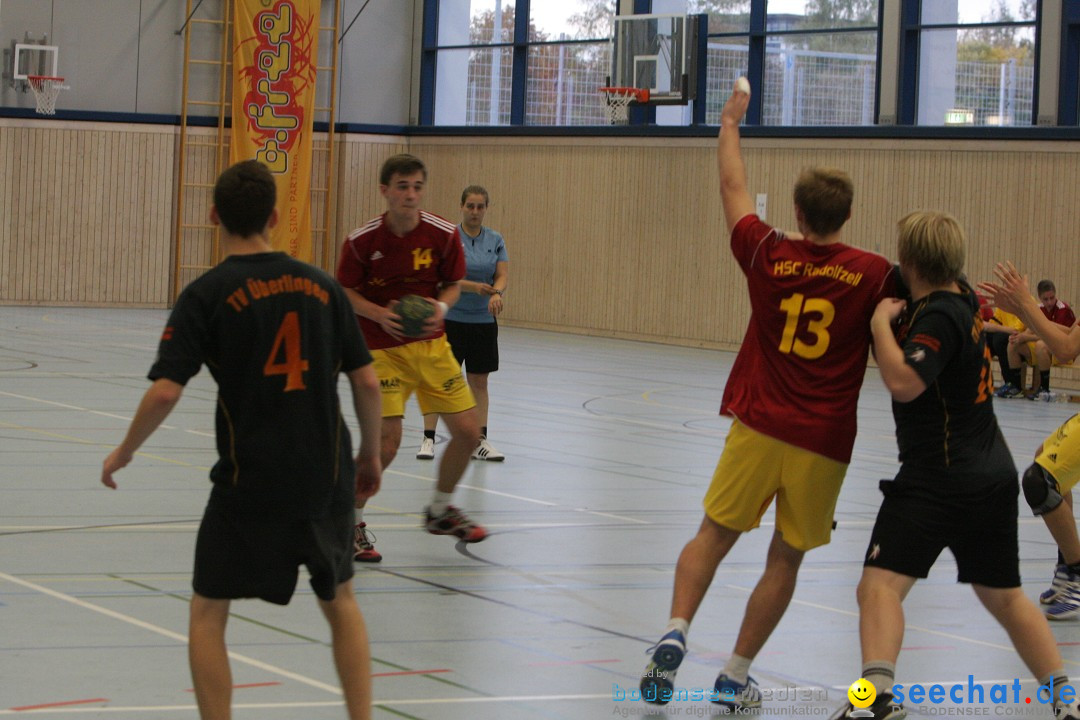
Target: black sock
{"type": "Point", "coordinates": [429, 434]}
{"type": "Point", "coordinates": [1011, 376]}
{"type": "Point", "coordinates": [483, 431]}
{"type": "Point", "coordinates": [1061, 558]}
{"type": "Point", "coordinates": [1044, 380]}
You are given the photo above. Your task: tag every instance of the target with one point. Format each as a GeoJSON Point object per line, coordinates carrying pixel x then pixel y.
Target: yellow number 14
{"type": "Point", "coordinates": [796, 307]}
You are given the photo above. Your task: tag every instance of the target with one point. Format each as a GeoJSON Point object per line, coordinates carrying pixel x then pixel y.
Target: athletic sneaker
{"type": "Point", "coordinates": [454, 522]}
{"type": "Point", "coordinates": [735, 695]}
{"type": "Point", "coordinates": [1042, 396]}
{"type": "Point", "coordinates": [1061, 576]}
{"type": "Point", "coordinates": [1067, 711]}
{"type": "Point", "coordinates": [658, 680]}
{"type": "Point", "coordinates": [364, 545]}
{"type": "Point", "coordinates": [485, 451]}
{"type": "Point", "coordinates": [1067, 604]}
{"type": "Point", "coordinates": [427, 450]}
{"type": "Point", "coordinates": [1008, 390]}
{"type": "Point", "coordinates": [883, 708]}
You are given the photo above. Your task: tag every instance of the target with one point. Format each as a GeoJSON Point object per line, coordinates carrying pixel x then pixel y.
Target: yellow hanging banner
{"type": "Point", "coordinates": [274, 58]}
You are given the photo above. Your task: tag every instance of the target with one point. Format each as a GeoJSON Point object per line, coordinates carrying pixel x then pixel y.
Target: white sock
{"type": "Point", "coordinates": [737, 668]}
{"type": "Point", "coordinates": [439, 502]}
{"type": "Point", "coordinates": [359, 515]}
{"type": "Point", "coordinates": [881, 674]}
{"type": "Point", "coordinates": [680, 624]}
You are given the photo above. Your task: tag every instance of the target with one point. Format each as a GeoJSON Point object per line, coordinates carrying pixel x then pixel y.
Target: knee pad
{"type": "Point", "coordinates": [1040, 489]}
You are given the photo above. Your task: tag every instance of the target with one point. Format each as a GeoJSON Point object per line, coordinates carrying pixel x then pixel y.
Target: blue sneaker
{"type": "Point", "coordinates": [658, 680]}
{"type": "Point", "coordinates": [1008, 390]}
{"type": "Point", "coordinates": [735, 695]}
{"type": "Point", "coordinates": [1061, 576]}
{"type": "Point", "coordinates": [1066, 605]}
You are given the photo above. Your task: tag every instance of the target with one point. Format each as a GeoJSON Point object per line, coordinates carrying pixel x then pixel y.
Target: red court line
{"type": "Point", "coordinates": [59, 704]}
{"type": "Point", "coordinates": [248, 685]}
{"type": "Point", "coordinates": [411, 672]}
{"type": "Point", "coordinates": [571, 662]}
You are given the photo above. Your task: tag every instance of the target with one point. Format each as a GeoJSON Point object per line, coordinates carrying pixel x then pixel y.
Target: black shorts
{"type": "Point", "coordinates": [912, 529]}
{"type": "Point", "coordinates": [475, 345]}
{"type": "Point", "coordinates": [252, 555]}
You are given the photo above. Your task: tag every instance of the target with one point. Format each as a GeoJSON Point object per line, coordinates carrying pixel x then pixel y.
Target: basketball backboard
{"type": "Point", "coordinates": [34, 59]}
{"type": "Point", "coordinates": [658, 53]}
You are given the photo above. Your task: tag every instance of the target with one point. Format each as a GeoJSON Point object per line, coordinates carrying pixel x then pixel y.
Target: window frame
{"type": "Point", "coordinates": [901, 75]}
{"type": "Point", "coordinates": [912, 28]}
{"type": "Point", "coordinates": [521, 44]}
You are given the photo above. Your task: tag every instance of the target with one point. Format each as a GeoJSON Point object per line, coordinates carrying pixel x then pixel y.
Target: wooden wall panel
{"type": "Point", "coordinates": [624, 237]}
{"type": "Point", "coordinates": [610, 236]}
{"type": "Point", "coordinates": [84, 207]}
{"type": "Point", "coordinates": [357, 197]}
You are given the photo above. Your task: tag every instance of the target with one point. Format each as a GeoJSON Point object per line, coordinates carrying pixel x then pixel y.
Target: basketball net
{"type": "Point", "coordinates": [46, 89]}
{"type": "Point", "coordinates": [618, 101]}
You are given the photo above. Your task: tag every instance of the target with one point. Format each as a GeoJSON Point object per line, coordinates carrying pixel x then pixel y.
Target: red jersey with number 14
{"type": "Point", "coordinates": [382, 266]}
{"type": "Point", "coordinates": [801, 365]}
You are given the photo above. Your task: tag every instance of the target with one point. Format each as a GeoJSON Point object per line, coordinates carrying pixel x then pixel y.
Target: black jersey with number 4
{"type": "Point", "coordinates": [275, 333]}
{"type": "Point", "coordinates": [949, 438]}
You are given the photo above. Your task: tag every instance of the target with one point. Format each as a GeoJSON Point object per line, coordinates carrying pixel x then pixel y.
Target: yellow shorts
{"type": "Point", "coordinates": [426, 367]}
{"type": "Point", "coordinates": [1060, 454]}
{"type": "Point", "coordinates": [754, 468]}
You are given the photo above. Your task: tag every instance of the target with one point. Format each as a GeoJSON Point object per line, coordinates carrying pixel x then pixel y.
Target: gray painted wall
{"type": "Point", "coordinates": [125, 55]}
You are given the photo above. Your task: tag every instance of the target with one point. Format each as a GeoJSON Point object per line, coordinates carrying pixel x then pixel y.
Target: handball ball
{"type": "Point", "coordinates": [413, 311]}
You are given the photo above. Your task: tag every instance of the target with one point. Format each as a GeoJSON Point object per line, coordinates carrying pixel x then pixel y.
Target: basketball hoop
{"type": "Point", "coordinates": [618, 101]}
{"type": "Point", "coordinates": [46, 88]}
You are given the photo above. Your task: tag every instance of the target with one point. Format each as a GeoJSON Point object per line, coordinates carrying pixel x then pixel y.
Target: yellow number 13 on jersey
{"type": "Point", "coordinates": [796, 307]}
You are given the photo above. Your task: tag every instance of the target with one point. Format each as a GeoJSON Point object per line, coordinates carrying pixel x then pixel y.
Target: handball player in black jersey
{"type": "Point", "coordinates": [275, 333]}
{"type": "Point", "coordinates": [956, 487]}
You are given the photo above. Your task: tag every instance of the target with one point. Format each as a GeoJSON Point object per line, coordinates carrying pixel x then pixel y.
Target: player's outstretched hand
{"type": "Point", "coordinates": [117, 459]}
{"type": "Point", "coordinates": [735, 108]}
{"type": "Point", "coordinates": [1011, 290]}
{"type": "Point", "coordinates": [368, 476]}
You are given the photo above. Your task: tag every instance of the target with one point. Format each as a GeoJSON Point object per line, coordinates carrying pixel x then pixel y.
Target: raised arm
{"type": "Point", "coordinates": [1012, 295]}
{"type": "Point", "coordinates": [733, 191]}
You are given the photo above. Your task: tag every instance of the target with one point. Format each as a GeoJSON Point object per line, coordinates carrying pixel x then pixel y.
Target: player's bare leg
{"type": "Point", "coordinates": [464, 435]}
{"type": "Point", "coordinates": [1026, 626]}
{"type": "Point", "coordinates": [697, 566]}
{"type": "Point", "coordinates": [770, 598]}
{"type": "Point", "coordinates": [209, 658]}
{"type": "Point", "coordinates": [352, 656]}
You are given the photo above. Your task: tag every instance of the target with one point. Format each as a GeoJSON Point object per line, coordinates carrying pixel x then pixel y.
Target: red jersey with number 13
{"type": "Point", "coordinates": [382, 267]}
{"type": "Point", "coordinates": [801, 364]}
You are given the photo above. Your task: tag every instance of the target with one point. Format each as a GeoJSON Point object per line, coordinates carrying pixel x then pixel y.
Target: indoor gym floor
{"type": "Point", "coordinates": [609, 444]}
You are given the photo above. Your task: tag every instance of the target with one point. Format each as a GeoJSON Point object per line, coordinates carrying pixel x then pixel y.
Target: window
{"type": "Point", "coordinates": [815, 61]}
{"type": "Point", "coordinates": [820, 63]}
{"type": "Point", "coordinates": [490, 69]}
{"type": "Point", "coordinates": [976, 63]}
{"type": "Point", "coordinates": [810, 62]}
